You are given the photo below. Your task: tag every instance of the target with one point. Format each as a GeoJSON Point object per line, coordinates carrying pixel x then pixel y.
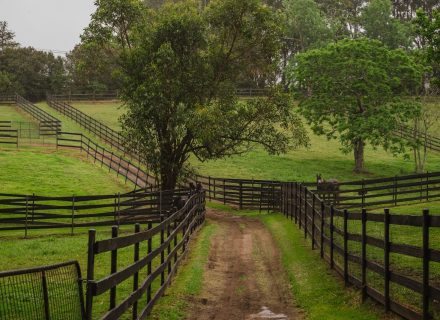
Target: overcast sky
{"type": "Point", "coordinates": [47, 24]}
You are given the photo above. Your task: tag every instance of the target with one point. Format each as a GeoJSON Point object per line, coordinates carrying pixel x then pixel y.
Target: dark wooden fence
{"type": "Point", "coordinates": [8, 136]}
{"type": "Point", "coordinates": [243, 193]}
{"type": "Point", "coordinates": [8, 99]}
{"type": "Point", "coordinates": [30, 212]}
{"type": "Point", "coordinates": [112, 137]}
{"type": "Point", "coordinates": [90, 96]}
{"type": "Point", "coordinates": [49, 125]}
{"type": "Point", "coordinates": [383, 191]}
{"type": "Point", "coordinates": [408, 133]}
{"type": "Point", "coordinates": [49, 292]}
{"type": "Point", "coordinates": [346, 239]}
{"type": "Point", "coordinates": [130, 170]}
{"type": "Point", "coordinates": [149, 274]}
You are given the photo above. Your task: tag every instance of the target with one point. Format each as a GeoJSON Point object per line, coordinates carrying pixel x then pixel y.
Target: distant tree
{"type": "Point", "coordinates": [422, 125]}
{"type": "Point", "coordinates": [33, 73]}
{"type": "Point", "coordinates": [6, 36]}
{"type": "Point", "coordinates": [92, 68]}
{"type": "Point", "coordinates": [378, 23]}
{"type": "Point", "coordinates": [7, 85]}
{"type": "Point", "coordinates": [352, 90]}
{"type": "Point", "coordinates": [180, 81]}
{"type": "Point", "coordinates": [428, 29]}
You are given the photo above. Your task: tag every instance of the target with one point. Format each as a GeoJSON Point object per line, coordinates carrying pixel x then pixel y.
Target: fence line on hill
{"type": "Point", "coordinates": [320, 222]}
{"type": "Point", "coordinates": [33, 212]}
{"type": "Point", "coordinates": [49, 125]}
{"type": "Point", "coordinates": [430, 141]}
{"type": "Point", "coordinates": [174, 233]}
{"type": "Point", "coordinates": [126, 168]}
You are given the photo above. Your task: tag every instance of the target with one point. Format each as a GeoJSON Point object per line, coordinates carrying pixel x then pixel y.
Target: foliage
{"type": "Point", "coordinates": [351, 91]}
{"type": "Point", "coordinates": [180, 86]}
{"type": "Point", "coordinates": [6, 36]}
{"type": "Point", "coordinates": [429, 30]}
{"type": "Point", "coordinates": [31, 72]}
{"type": "Point", "coordinates": [378, 23]}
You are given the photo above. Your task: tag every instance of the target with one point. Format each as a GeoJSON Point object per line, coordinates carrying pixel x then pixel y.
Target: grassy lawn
{"type": "Point", "coordinates": [12, 113]}
{"type": "Point", "coordinates": [108, 112]}
{"type": "Point", "coordinates": [46, 171]}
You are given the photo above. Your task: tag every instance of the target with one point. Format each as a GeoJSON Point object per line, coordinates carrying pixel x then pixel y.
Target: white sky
{"type": "Point", "coordinates": [47, 24]}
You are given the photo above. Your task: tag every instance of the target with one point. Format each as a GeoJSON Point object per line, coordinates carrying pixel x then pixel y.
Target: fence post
{"type": "Point", "coordinates": [224, 192]}
{"type": "Point", "coordinates": [90, 273]}
{"type": "Point", "coordinates": [387, 259]}
{"type": "Point", "coordinates": [346, 247]}
{"type": "Point", "coordinates": [137, 228]}
{"type": "Point", "coordinates": [313, 221]}
{"type": "Point", "coordinates": [300, 206]}
{"type": "Point", "coordinates": [241, 195]}
{"type": "Point", "coordinates": [26, 221]}
{"type": "Point", "coordinates": [162, 252]}
{"type": "Point", "coordinates": [426, 259]}
{"type": "Point", "coordinates": [322, 228]}
{"type": "Point", "coordinates": [364, 255]}
{"type": "Point", "coordinates": [114, 266]}
{"type": "Point", "coordinates": [332, 213]}
{"type": "Point", "coordinates": [73, 214]}
{"type": "Point", "coordinates": [209, 187]}
{"type": "Point", "coordinates": [305, 213]}
{"type": "Point", "coordinates": [395, 190]}
{"type": "Point", "coordinates": [427, 185]}
{"type": "Point", "coordinates": [296, 202]}
{"type": "Point", "coordinates": [45, 295]}
{"type": "Point", "coordinates": [150, 249]}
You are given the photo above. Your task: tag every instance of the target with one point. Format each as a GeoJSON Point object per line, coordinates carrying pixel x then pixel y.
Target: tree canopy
{"type": "Point", "coordinates": [180, 81]}
{"type": "Point", "coordinates": [352, 91]}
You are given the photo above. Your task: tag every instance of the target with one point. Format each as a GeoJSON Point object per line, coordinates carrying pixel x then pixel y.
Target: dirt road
{"type": "Point", "coordinates": [244, 274]}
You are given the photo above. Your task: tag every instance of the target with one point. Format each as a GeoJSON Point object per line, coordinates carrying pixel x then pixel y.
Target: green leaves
{"type": "Point", "coordinates": [352, 90]}
{"type": "Point", "coordinates": [180, 82]}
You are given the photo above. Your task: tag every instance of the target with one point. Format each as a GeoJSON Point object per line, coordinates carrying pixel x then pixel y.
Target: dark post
{"type": "Point", "coordinates": [300, 206]}
{"type": "Point", "coordinates": [162, 252]}
{"type": "Point", "coordinates": [387, 259]}
{"type": "Point", "coordinates": [169, 248]}
{"type": "Point", "coordinates": [322, 227]}
{"type": "Point", "coordinates": [426, 258]}
{"type": "Point", "coordinates": [346, 247]}
{"type": "Point", "coordinates": [73, 214]}
{"type": "Point", "coordinates": [296, 201]}
{"type": "Point", "coordinates": [305, 212]}
{"type": "Point", "coordinates": [26, 221]}
{"type": "Point", "coordinates": [137, 228]}
{"type": "Point", "coordinates": [313, 221]}
{"type": "Point", "coordinates": [45, 295]}
{"type": "Point", "coordinates": [332, 213]}
{"type": "Point", "coordinates": [395, 190]}
{"type": "Point", "coordinates": [150, 249]}
{"type": "Point", "coordinates": [90, 273]}
{"type": "Point", "coordinates": [209, 187]}
{"type": "Point", "coordinates": [224, 192]}
{"type": "Point", "coordinates": [241, 195]}
{"type": "Point", "coordinates": [364, 255]}
{"type": "Point", "coordinates": [114, 266]}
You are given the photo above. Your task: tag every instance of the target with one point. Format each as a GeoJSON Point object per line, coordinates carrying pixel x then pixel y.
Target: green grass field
{"type": "Point", "coordinates": [12, 113]}
{"type": "Point", "coordinates": [322, 157]}
{"type": "Point", "coordinates": [50, 172]}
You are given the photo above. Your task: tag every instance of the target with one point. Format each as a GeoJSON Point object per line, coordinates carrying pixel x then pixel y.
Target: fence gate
{"type": "Point", "coordinates": [50, 292]}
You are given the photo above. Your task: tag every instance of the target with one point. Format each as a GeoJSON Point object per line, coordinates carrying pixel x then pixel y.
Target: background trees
{"type": "Point", "coordinates": [180, 81]}
{"type": "Point", "coordinates": [351, 91]}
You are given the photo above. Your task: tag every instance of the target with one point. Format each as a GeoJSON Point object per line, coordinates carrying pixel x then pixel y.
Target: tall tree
{"type": "Point", "coordinates": [428, 29]}
{"type": "Point", "coordinates": [352, 91]}
{"type": "Point", "coordinates": [180, 81]}
{"type": "Point", "coordinates": [6, 36]}
{"type": "Point", "coordinates": [378, 23]}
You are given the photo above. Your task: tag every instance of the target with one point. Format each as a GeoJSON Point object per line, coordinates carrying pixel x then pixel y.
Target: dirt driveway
{"type": "Point", "coordinates": [244, 278]}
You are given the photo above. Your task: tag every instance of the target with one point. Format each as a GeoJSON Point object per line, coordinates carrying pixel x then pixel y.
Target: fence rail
{"type": "Point", "coordinates": [126, 168]}
{"type": "Point", "coordinates": [49, 125]}
{"type": "Point", "coordinates": [8, 99]}
{"type": "Point", "coordinates": [344, 240]}
{"type": "Point", "coordinates": [431, 142]}
{"type": "Point", "coordinates": [49, 292]}
{"type": "Point", "coordinates": [9, 136]}
{"type": "Point", "coordinates": [31, 212]}
{"type": "Point", "coordinates": [173, 233]}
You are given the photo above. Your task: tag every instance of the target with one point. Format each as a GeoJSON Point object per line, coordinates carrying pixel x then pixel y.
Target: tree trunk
{"type": "Point", "coordinates": [359, 156]}
{"type": "Point", "coordinates": [168, 179]}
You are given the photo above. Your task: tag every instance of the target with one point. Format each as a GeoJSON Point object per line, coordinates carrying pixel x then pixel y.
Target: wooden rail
{"type": "Point", "coordinates": [344, 242]}
{"type": "Point", "coordinates": [9, 136]}
{"type": "Point", "coordinates": [166, 244]}
{"type": "Point", "coordinates": [31, 212]}
{"type": "Point", "coordinates": [131, 171]}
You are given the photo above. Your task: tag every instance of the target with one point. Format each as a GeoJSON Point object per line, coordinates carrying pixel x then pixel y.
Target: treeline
{"type": "Point", "coordinates": [307, 24]}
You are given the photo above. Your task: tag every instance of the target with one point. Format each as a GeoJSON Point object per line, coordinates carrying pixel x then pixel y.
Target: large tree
{"type": "Point", "coordinates": [378, 23]}
{"type": "Point", "coordinates": [180, 80]}
{"type": "Point", "coordinates": [352, 90]}
{"type": "Point", "coordinates": [6, 36]}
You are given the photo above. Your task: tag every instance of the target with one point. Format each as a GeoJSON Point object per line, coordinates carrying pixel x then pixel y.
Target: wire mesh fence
{"type": "Point", "coordinates": [50, 292]}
